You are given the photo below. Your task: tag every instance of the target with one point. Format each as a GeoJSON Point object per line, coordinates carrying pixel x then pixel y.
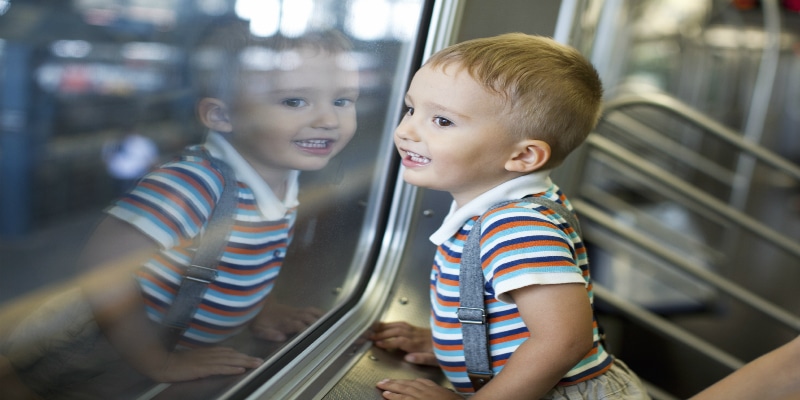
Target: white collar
{"type": "Point", "coordinates": [516, 188]}
{"type": "Point", "coordinates": [268, 204]}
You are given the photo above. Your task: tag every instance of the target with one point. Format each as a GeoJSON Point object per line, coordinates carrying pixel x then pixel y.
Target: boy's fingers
{"type": "Point", "coordinates": [222, 370]}
{"type": "Point", "coordinates": [382, 326]}
{"type": "Point", "coordinates": [231, 358]}
{"type": "Point", "coordinates": [422, 359]}
{"type": "Point", "coordinates": [390, 332]}
{"type": "Point", "coordinates": [392, 343]}
{"type": "Point", "coordinates": [310, 316]}
{"type": "Point", "coordinates": [414, 389]}
{"type": "Point", "coordinates": [201, 363]}
{"type": "Point", "coordinates": [394, 385]}
{"type": "Point", "coordinates": [270, 334]}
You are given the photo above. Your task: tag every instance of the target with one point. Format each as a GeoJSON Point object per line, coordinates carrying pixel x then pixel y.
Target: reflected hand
{"type": "Point", "coordinates": [186, 365]}
{"type": "Point", "coordinates": [414, 340]}
{"type": "Point", "coordinates": [276, 322]}
{"type": "Point", "coordinates": [418, 389]}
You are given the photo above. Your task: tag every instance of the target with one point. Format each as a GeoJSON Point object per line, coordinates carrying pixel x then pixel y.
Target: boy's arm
{"type": "Point", "coordinates": [113, 253]}
{"type": "Point", "coordinates": [559, 318]}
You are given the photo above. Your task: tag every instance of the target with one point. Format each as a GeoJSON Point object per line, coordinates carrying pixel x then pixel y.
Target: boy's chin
{"type": "Point", "coordinates": [315, 166]}
{"type": "Point", "coordinates": [409, 178]}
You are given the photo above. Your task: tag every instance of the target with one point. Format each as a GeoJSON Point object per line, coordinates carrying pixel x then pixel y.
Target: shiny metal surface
{"type": "Point", "coordinates": [407, 301]}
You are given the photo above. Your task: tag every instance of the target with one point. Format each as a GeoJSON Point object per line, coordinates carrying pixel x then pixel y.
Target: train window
{"type": "Point", "coordinates": [103, 210]}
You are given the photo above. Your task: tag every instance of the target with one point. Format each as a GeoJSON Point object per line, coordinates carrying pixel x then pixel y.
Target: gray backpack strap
{"type": "Point", "coordinates": [472, 309]}
{"type": "Point", "coordinates": [203, 268]}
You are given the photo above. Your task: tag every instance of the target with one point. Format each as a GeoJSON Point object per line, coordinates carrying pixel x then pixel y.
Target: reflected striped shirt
{"type": "Point", "coordinates": [171, 205]}
{"type": "Point", "coordinates": [522, 244]}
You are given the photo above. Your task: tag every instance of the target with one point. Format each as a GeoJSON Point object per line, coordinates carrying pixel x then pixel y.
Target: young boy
{"type": "Point", "coordinates": [486, 121]}
{"type": "Point", "coordinates": [272, 107]}
{"type": "Point", "coordinates": [287, 105]}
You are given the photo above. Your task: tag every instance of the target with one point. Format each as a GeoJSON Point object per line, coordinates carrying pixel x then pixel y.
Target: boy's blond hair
{"type": "Point", "coordinates": [552, 93]}
{"type": "Point", "coordinates": [228, 48]}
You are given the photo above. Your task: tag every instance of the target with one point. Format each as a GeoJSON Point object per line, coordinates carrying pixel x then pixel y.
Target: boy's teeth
{"type": "Point", "coordinates": [313, 143]}
{"type": "Point", "coordinates": [418, 158]}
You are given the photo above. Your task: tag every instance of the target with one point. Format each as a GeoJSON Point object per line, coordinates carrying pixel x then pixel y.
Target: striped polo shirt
{"type": "Point", "coordinates": [521, 244]}
{"type": "Point", "coordinates": [172, 205]}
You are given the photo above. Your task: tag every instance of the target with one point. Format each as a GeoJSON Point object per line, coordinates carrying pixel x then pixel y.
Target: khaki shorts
{"type": "Point", "coordinates": [618, 383]}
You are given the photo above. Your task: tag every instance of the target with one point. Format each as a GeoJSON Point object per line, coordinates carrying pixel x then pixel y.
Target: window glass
{"type": "Point", "coordinates": [99, 198]}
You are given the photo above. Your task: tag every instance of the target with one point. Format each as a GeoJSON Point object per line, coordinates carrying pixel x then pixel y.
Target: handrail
{"type": "Point", "coordinates": [682, 110]}
{"type": "Point", "coordinates": [642, 179]}
{"type": "Point", "coordinates": [693, 198]}
{"type": "Point", "coordinates": [710, 203]}
{"type": "Point", "coordinates": [592, 213]}
{"type": "Point", "coordinates": [653, 224]}
{"type": "Point", "coordinates": [760, 99]}
{"type": "Point", "coordinates": [666, 328]}
{"type": "Point", "coordinates": [649, 135]}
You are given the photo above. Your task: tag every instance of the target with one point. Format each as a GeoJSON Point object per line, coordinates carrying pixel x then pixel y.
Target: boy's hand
{"type": "Point", "coordinates": [276, 322]}
{"type": "Point", "coordinates": [193, 364]}
{"type": "Point", "coordinates": [414, 340]}
{"type": "Point", "coordinates": [418, 389]}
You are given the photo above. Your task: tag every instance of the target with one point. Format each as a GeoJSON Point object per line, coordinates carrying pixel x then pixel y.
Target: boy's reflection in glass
{"type": "Point", "coordinates": [272, 107]}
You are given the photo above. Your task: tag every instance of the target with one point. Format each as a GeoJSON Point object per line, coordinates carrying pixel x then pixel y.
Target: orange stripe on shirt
{"type": "Point", "coordinates": [242, 272]}
{"type": "Point", "coordinates": [510, 338]}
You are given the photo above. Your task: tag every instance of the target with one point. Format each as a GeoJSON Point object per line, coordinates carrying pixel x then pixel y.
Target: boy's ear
{"type": "Point", "coordinates": [528, 156]}
{"type": "Point", "coordinates": [213, 113]}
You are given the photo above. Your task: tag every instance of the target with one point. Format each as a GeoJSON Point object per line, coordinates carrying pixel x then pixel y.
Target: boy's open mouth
{"type": "Point", "coordinates": [313, 143]}
{"type": "Point", "coordinates": [419, 159]}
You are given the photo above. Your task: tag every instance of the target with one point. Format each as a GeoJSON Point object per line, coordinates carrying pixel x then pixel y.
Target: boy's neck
{"type": "Point", "coordinates": [462, 198]}
{"type": "Point", "coordinates": [277, 181]}
{"type": "Point", "coordinates": [279, 189]}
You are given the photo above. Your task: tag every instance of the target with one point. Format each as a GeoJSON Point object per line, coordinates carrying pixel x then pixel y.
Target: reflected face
{"type": "Point", "coordinates": [298, 118]}
{"type": "Point", "coordinates": [454, 134]}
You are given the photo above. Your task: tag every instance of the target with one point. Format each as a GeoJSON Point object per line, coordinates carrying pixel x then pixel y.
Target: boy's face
{"type": "Point", "coordinates": [454, 135]}
{"type": "Point", "coordinates": [295, 118]}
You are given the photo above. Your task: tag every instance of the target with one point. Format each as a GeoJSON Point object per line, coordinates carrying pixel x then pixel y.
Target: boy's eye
{"type": "Point", "coordinates": [294, 102]}
{"type": "Point", "coordinates": [440, 121]}
{"type": "Point", "coordinates": [343, 102]}
{"type": "Point", "coordinates": [409, 111]}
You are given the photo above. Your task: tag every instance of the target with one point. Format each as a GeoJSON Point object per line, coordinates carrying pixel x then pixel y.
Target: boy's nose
{"type": "Point", "coordinates": [326, 118]}
{"type": "Point", "coordinates": [405, 131]}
